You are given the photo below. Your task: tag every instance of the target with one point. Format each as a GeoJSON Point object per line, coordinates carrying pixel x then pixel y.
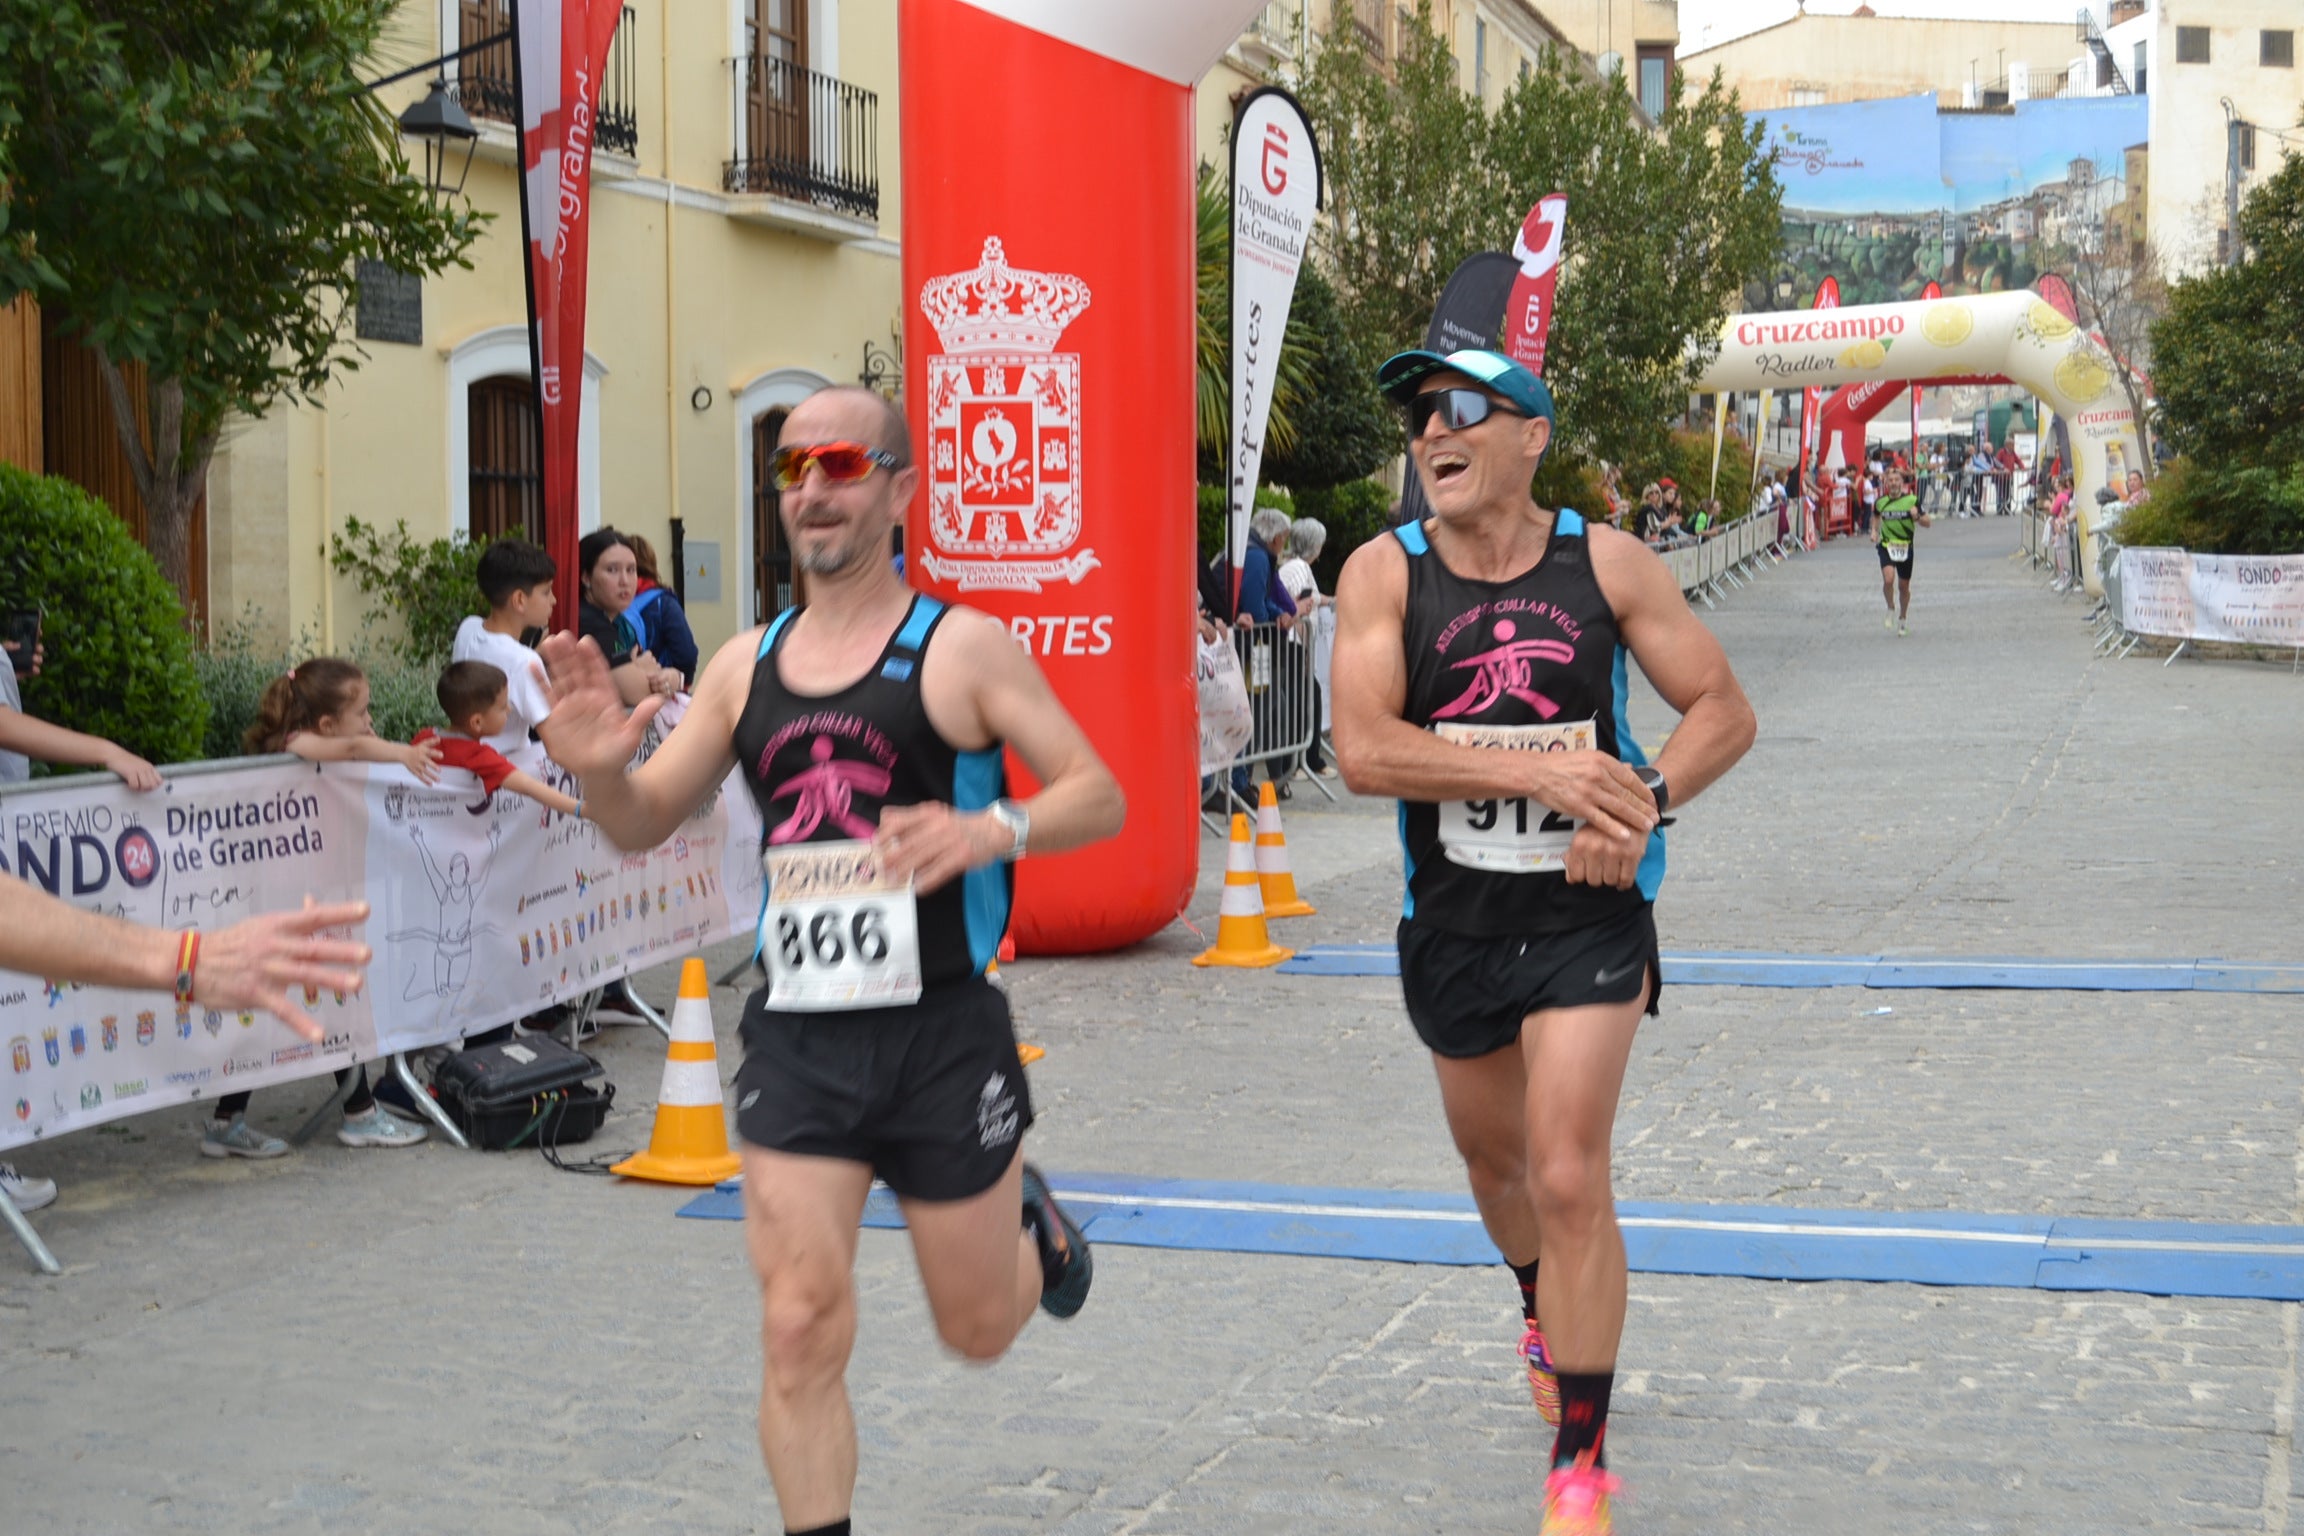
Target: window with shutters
{"type": "Point", "coordinates": [2191, 45]}
{"type": "Point", "coordinates": [507, 485]}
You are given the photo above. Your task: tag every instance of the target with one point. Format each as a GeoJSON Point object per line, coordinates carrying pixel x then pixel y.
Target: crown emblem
{"type": "Point", "coordinates": [1000, 308]}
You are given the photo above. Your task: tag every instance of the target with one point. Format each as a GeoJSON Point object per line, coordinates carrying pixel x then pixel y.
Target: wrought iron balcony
{"type": "Point", "coordinates": [484, 80]}
{"type": "Point", "coordinates": [805, 136]}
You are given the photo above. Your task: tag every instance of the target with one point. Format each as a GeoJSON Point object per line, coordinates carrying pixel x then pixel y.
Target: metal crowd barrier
{"type": "Point", "coordinates": [1728, 559]}
{"type": "Point", "coordinates": [1277, 667]}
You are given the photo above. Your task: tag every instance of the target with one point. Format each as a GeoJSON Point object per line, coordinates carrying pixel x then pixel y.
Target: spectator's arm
{"type": "Point", "coordinates": [20, 732]}
{"type": "Point", "coordinates": [542, 793]}
{"type": "Point", "coordinates": [421, 761]}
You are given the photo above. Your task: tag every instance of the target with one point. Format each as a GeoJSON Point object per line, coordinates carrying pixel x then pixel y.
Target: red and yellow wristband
{"type": "Point", "coordinates": [187, 961]}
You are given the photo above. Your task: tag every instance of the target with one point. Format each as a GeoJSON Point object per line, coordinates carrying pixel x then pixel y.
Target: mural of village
{"type": "Point", "coordinates": [1889, 196]}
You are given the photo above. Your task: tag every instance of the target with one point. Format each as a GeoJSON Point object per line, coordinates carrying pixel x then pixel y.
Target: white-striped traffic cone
{"type": "Point", "coordinates": [690, 1142]}
{"type": "Point", "coordinates": [1241, 938]}
{"type": "Point", "coordinates": [1272, 872]}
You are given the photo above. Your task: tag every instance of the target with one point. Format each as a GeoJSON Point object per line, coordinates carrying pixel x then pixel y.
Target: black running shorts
{"type": "Point", "coordinates": [1901, 567]}
{"type": "Point", "coordinates": [930, 1094]}
{"type": "Point", "coordinates": [1467, 996]}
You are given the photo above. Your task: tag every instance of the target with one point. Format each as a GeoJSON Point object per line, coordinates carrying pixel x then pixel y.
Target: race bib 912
{"type": "Point", "coordinates": [1516, 836]}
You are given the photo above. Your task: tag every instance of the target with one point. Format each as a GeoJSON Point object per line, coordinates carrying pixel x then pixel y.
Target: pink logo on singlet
{"type": "Point", "coordinates": [1506, 671]}
{"type": "Point", "coordinates": [825, 792]}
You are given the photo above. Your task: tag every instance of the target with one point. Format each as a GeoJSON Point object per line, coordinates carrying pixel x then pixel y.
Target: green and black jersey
{"type": "Point", "coordinates": [1898, 517]}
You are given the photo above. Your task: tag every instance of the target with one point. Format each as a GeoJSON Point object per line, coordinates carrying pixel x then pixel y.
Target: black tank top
{"type": "Point", "coordinates": [821, 767]}
{"type": "Point", "coordinates": [1538, 649]}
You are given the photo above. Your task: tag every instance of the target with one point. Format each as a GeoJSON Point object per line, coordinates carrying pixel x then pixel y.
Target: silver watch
{"type": "Point", "coordinates": [1018, 821]}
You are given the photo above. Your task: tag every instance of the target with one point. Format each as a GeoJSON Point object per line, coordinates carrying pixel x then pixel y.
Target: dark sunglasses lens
{"type": "Point", "coordinates": [1456, 408]}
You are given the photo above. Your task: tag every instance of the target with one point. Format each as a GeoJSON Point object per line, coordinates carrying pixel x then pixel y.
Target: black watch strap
{"type": "Point", "coordinates": [1656, 787]}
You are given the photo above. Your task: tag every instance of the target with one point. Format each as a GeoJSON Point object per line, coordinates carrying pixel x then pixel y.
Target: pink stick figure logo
{"type": "Point", "coordinates": [1505, 671]}
{"type": "Point", "coordinates": [826, 793]}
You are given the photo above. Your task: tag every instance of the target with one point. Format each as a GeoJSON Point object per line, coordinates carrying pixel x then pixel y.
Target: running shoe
{"type": "Point", "coordinates": [237, 1138]}
{"type": "Point", "coordinates": [1888, 622]}
{"type": "Point", "coordinates": [377, 1126]}
{"type": "Point", "coordinates": [1903, 630]}
{"type": "Point", "coordinates": [1543, 1383]}
{"type": "Point", "coordinates": [1066, 1267]}
{"type": "Point", "coordinates": [27, 1194]}
{"type": "Point", "coordinates": [1576, 1500]}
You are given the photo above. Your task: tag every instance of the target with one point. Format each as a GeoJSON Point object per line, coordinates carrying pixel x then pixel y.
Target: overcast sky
{"type": "Point", "coordinates": [1733, 18]}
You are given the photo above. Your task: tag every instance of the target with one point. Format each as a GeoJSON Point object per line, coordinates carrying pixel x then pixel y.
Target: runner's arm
{"type": "Point", "coordinates": [590, 734]}
{"type": "Point", "coordinates": [1380, 753]}
{"type": "Point", "coordinates": [1006, 699]}
{"type": "Point", "coordinates": [1685, 662]}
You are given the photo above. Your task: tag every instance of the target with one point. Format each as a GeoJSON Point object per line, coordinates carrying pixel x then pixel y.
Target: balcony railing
{"type": "Point", "coordinates": [805, 136]}
{"type": "Point", "coordinates": [484, 79]}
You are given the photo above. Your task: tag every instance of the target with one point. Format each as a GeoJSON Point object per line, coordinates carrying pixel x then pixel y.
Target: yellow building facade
{"type": "Point", "coordinates": [744, 218]}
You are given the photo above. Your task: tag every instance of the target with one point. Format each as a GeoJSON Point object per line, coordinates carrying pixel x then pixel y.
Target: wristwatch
{"type": "Point", "coordinates": [1656, 787]}
{"type": "Point", "coordinates": [1018, 821]}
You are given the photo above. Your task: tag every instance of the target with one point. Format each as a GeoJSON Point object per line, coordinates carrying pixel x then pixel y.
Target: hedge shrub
{"type": "Point", "coordinates": [119, 657]}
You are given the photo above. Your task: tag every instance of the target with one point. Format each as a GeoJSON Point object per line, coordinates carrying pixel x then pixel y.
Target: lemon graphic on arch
{"type": "Point", "coordinates": [2082, 377]}
{"type": "Point", "coordinates": [1947, 325]}
{"type": "Point", "coordinates": [2048, 322]}
{"type": "Point", "coordinates": [1865, 354]}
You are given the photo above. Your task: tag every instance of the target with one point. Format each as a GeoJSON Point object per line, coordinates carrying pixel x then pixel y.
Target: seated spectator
{"type": "Point", "coordinates": [476, 702]}
{"type": "Point", "coordinates": [516, 580]}
{"type": "Point", "coordinates": [661, 620]}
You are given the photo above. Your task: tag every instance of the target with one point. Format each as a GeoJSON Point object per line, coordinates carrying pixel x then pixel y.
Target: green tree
{"type": "Point", "coordinates": [1666, 224]}
{"type": "Point", "coordinates": [187, 184]}
{"type": "Point", "coordinates": [1344, 430]}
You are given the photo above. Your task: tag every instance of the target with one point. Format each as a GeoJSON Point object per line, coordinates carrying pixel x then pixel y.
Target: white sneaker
{"type": "Point", "coordinates": [29, 1194]}
{"type": "Point", "coordinates": [237, 1138]}
{"type": "Point", "coordinates": [378, 1127]}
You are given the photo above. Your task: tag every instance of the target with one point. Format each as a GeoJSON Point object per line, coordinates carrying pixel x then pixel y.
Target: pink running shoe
{"type": "Point", "coordinates": [1543, 1384]}
{"type": "Point", "coordinates": [1576, 1501]}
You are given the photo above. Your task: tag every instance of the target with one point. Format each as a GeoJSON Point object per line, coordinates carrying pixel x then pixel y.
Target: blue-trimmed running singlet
{"type": "Point", "coordinates": [1538, 648]}
{"type": "Point", "coordinates": [822, 766]}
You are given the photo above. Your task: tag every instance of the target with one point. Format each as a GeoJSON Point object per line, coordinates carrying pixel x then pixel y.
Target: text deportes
{"type": "Point", "coordinates": [1075, 634]}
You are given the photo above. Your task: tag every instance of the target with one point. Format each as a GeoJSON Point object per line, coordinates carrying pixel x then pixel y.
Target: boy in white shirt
{"type": "Point", "coordinates": [516, 578]}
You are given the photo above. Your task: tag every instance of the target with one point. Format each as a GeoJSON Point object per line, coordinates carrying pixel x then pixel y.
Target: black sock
{"type": "Point", "coordinates": [1526, 1275]}
{"type": "Point", "coordinates": [836, 1528]}
{"type": "Point", "coordinates": [1583, 1416]}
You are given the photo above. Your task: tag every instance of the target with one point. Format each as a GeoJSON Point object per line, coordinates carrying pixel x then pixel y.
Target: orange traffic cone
{"type": "Point", "coordinates": [690, 1142]}
{"type": "Point", "coordinates": [1241, 938]}
{"type": "Point", "coordinates": [1280, 898]}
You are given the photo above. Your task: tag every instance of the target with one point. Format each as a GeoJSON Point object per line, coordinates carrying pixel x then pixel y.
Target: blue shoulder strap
{"type": "Point", "coordinates": [925, 611]}
{"type": "Point", "coordinates": [1411, 537]}
{"type": "Point", "coordinates": [1569, 523]}
{"type": "Point", "coordinates": [775, 628]}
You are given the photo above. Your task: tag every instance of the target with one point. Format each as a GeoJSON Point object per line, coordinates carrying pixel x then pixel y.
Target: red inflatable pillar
{"type": "Point", "coordinates": [1048, 333]}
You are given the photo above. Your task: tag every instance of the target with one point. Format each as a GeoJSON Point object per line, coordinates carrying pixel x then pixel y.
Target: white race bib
{"type": "Point", "coordinates": [837, 931]}
{"type": "Point", "coordinates": [1897, 553]}
{"type": "Point", "coordinates": [1511, 837]}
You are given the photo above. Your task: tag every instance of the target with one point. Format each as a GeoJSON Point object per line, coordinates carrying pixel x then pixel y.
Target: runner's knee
{"type": "Point", "coordinates": [806, 1331]}
{"type": "Point", "coordinates": [984, 1332]}
{"type": "Point", "coordinates": [1568, 1183]}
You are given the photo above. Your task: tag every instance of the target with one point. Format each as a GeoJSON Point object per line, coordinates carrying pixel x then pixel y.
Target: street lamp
{"type": "Point", "coordinates": [440, 124]}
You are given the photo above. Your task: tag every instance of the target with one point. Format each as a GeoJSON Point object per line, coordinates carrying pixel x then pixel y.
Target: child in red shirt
{"type": "Point", "coordinates": [475, 696]}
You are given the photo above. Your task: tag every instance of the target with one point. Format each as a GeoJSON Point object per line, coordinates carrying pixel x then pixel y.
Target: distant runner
{"type": "Point", "coordinates": [1899, 511]}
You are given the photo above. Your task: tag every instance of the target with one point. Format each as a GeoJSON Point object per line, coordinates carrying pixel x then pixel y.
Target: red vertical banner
{"type": "Point", "coordinates": [560, 51]}
{"type": "Point", "coordinates": [1049, 289]}
{"type": "Point", "coordinates": [1528, 313]}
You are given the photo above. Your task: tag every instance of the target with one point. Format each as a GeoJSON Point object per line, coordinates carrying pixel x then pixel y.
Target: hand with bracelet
{"type": "Point", "coordinates": [256, 963]}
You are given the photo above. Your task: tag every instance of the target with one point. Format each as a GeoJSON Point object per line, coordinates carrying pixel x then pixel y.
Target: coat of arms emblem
{"type": "Point", "coordinates": [1004, 428]}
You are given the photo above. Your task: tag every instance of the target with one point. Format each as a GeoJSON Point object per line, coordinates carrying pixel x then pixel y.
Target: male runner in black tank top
{"type": "Point", "coordinates": [1480, 678]}
{"type": "Point", "coordinates": [869, 727]}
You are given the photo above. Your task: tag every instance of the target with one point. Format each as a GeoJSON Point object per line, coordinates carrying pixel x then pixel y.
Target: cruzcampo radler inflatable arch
{"type": "Point", "coordinates": [2018, 336]}
{"type": "Point", "coordinates": [1048, 368]}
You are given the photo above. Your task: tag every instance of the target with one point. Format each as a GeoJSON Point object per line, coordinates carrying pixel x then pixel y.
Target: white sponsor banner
{"type": "Point", "coordinates": [2241, 599]}
{"type": "Point", "coordinates": [485, 909]}
{"type": "Point", "coordinates": [1275, 197]}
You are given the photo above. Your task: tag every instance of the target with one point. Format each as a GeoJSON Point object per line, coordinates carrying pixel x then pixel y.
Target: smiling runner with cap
{"type": "Point", "coordinates": [1480, 678]}
{"type": "Point", "coordinates": [871, 727]}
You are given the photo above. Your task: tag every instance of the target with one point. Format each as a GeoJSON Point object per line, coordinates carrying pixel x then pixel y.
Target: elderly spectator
{"type": "Point", "coordinates": [1262, 599]}
{"type": "Point", "coordinates": [1307, 536]}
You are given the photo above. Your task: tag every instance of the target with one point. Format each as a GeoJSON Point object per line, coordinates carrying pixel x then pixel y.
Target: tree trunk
{"type": "Point", "coordinates": [168, 477]}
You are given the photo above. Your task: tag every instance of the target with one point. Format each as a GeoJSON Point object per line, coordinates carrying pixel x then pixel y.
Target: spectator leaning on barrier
{"type": "Point", "coordinates": [474, 699]}
{"type": "Point", "coordinates": [610, 574]}
{"type": "Point", "coordinates": [319, 711]}
{"type": "Point", "coordinates": [1648, 521]}
{"type": "Point", "coordinates": [24, 738]}
{"type": "Point", "coordinates": [516, 581]}
{"type": "Point", "coordinates": [1264, 602]}
{"type": "Point", "coordinates": [657, 614]}
{"type": "Point", "coordinates": [1307, 536]}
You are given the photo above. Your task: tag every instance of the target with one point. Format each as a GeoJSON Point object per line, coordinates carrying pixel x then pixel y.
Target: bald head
{"type": "Point", "coordinates": [850, 412]}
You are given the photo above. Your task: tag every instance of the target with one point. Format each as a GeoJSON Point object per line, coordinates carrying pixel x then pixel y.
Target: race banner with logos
{"type": "Point", "coordinates": [1528, 313]}
{"type": "Point", "coordinates": [485, 909]}
{"type": "Point", "coordinates": [1275, 196]}
{"type": "Point", "coordinates": [560, 52]}
{"type": "Point", "coordinates": [2241, 599]}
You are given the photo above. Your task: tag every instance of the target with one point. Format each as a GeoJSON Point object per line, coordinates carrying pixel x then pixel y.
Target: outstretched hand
{"type": "Point", "coordinates": [256, 963]}
{"type": "Point", "coordinates": [589, 732]}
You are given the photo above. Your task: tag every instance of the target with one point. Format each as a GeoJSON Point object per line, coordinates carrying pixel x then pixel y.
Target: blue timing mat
{"type": "Point", "coordinates": [1734, 968]}
{"type": "Point", "coordinates": [1751, 1242]}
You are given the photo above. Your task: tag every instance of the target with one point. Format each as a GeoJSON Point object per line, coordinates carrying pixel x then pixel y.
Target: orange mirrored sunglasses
{"type": "Point", "coordinates": [840, 463]}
